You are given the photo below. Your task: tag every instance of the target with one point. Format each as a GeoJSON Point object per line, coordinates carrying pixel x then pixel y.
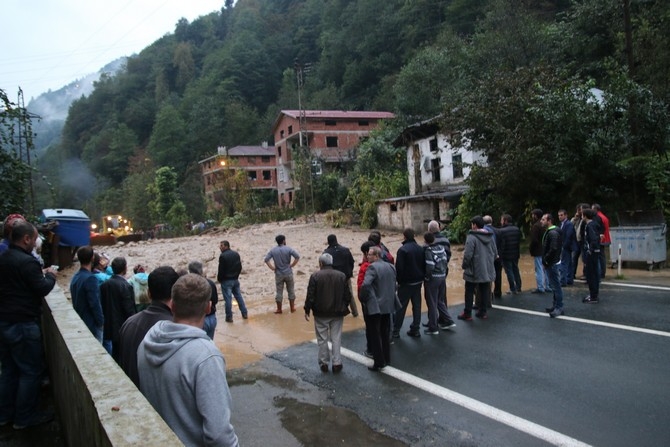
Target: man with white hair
{"type": "Point", "coordinates": [328, 297]}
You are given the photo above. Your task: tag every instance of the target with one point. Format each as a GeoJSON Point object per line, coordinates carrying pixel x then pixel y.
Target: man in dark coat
{"type": "Point", "coordinates": [552, 245]}
{"type": "Point", "coordinates": [410, 271]}
{"type": "Point", "coordinates": [569, 247]}
{"type": "Point", "coordinates": [328, 297]}
{"type": "Point", "coordinates": [343, 261]}
{"type": "Point", "coordinates": [23, 285]}
{"type": "Point", "coordinates": [509, 238]}
{"type": "Point", "coordinates": [118, 303]}
{"type": "Point", "coordinates": [136, 327]}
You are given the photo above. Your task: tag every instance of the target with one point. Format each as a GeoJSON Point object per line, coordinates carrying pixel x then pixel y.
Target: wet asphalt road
{"type": "Point", "coordinates": [516, 379]}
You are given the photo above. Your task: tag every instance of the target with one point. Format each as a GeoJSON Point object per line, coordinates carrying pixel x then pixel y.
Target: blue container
{"type": "Point", "coordinates": [74, 226]}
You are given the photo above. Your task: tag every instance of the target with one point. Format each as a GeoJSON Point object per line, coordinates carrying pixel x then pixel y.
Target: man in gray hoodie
{"type": "Point", "coordinates": [183, 374]}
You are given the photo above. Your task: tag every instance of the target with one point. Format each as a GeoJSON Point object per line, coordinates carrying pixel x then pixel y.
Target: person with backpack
{"type": "Point", "coordinates": [435, 284]}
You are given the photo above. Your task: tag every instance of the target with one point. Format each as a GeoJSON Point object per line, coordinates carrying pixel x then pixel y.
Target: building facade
{"type": "Point", "coordinates": [323, 140]}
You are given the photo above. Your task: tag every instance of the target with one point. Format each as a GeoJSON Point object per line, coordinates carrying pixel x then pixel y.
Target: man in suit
{"type": "Point", "coordinates": [569, 247]}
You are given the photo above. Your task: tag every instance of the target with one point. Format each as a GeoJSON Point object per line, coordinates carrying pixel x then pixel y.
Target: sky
{"type": "Point", "coordinates": [46, 44]}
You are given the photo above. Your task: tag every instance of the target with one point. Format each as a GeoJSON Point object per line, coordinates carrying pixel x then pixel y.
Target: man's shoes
{"type": "Point", "coordinates": [429, 332]}
{"type": "Point", "coordinates": [590, 300]}
{"type": "Point", "coordinates": [481, 316]}
{"type": "Point", "coordinates": [465, 317]}
{"type": "Point", "coordinates": [245, 316]}
{"type": "Point", "coordinates": [38, 419]}
{"type": "Point", "coordinates": [368, 354]}
{"type": "Point", "coordinates": [229, 319]}
{"type": "Point", "coordinates": [337, 368]}
{"type": "Point", "coordinates": [446, 325]}
{"type": "Point", "coordinates": [556, 313]}
{"type": "Point", "coordinates": [376, 368]}
{"type": "Point", "coordinates": [415, 334]}
{"type": "Point", "coordinates": [537, 291]}
{"type": "Point", "coordinates": [324, 367]}
{"type": "Point", "coordinates": [549, 309]}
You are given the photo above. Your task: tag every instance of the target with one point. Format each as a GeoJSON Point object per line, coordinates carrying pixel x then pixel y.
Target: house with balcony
{"type": "Point", "coordinates": [325, 139]}
{"type": "Point", "coordinates": [436, 173]}
{"type": "Point", "coordinates": [258, 163]}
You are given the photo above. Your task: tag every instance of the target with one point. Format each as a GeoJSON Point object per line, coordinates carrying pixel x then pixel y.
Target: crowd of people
{"type": "Point", "coordinates": [145, 319]}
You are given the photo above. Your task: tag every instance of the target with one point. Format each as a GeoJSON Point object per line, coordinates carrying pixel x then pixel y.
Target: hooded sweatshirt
{"type": "Point", "coordinates": [479, 257]}
{"type": "Point", "coordinates": [183, 376]}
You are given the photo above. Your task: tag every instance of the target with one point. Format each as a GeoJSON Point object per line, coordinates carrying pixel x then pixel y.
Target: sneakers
{"type": "Point", "coordinates": [465, 317]}
{"type": "Point", "coordinates": [415, 334]}
{"type": "Point", "coordinates": [481, 316]}
{"type": "Point", "coordinates": [229, 319]}
{"type": "Point", "coordinates": [337, 368]}
{"type": "Point", "coordinates": [556, 313]}
{"type": "Point", "coordinates": [429, 332]}
{"type": "Point", "coordinates": [446, 325]}
{"type": "Point", "coordinates": [39, 419]}
{"type": "Point", "coordinates": [549, 309]}
{"type": "Point", "coordinates": [590, 300]}
{"type": "Point", "coordinates": [324, 367]}
{"type": "Point", "coordinates": [368, 354]}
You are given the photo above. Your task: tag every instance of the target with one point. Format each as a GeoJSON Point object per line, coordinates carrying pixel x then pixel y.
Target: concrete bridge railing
{"type": "Point", "coordinates": [96, 403]}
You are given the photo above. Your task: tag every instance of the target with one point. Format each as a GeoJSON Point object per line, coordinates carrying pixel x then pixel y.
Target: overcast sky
{"type": "Point", "coordinates": [46, 44]}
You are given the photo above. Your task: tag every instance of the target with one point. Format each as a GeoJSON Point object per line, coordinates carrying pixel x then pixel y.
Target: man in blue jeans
{"type": "Point", "coordinates": [552, 244]}
{"type": "Point", "coordinates": [230, 267]}
{"type": "Point", "coordinates": [23, 285]}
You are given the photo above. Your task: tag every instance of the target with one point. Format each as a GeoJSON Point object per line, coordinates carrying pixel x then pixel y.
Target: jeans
{"type": "Point", "coordinates": [210, 325]}
{"type": "Point", "coordinates": [280, 280]}
{"type": "Point", "coordinates": [407, 293]}
{"type": "Point", "coordinates": [231, 288]}
{"type": "Point", "coordinates": [511, 267]}
{"type": "Point", "coordinates": [23, 366]}
{"type": "Point", "coordinates": [540, 275]}
{"type": "Point", "coordinates": [567, 270]}
{"type": "Point", "coordinates": [329, 328]}
{"type": "Point", "coordinates": [554, 277]}
{"type": "Point", "coordinates": [433, 296]}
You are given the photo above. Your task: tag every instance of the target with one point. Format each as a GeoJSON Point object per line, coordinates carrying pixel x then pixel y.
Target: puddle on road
{"type": "Point", "coordinates": [322, 425]}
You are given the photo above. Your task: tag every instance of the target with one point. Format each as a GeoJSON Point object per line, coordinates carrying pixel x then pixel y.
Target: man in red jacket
{"type": "Point", "coordinates": [605, 239]}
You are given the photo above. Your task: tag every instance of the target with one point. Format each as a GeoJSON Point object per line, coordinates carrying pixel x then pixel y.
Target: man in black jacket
{"type": "Point", "coordinates": [23, 285]}
{"type": "Point", "coordinates": [509, 238]}
{"type": "Point", "coordinates": [552, 245]}
{"type": "Point", "coordinates": [343, 261]}
{"type": "Point", "coordinates": [410, 263]}
{"type": "Point", "coordinates": [118, 303]}
{"type": "Point", "coordinates": [328, 297]}
{"type": "Point", "coordinates": [230, 267]}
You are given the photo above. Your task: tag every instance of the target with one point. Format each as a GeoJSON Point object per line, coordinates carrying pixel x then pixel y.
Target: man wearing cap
{"type": "Point", "coordinates": [343, 261]}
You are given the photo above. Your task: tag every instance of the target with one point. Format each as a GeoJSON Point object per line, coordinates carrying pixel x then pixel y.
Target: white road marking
{"type": "Point", "coordinates": [585, 321]}
{"type": "Point", "coordinates": [633, 286]}
{"type": "Point", "coordinates": [523, 425]}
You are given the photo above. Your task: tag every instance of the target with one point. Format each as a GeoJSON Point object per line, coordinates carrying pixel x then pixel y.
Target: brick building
{"type": "Point", "coordinates": [327, 139]}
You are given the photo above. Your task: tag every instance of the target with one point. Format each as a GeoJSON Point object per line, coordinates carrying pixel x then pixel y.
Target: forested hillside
{"type": "Point", "coordinates": [515, 77]}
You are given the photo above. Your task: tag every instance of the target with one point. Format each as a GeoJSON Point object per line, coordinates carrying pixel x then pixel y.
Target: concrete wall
{"type": "Point", "coordinates": [401, 214]}
{"type": "Point", "coordinates": [96, 403]}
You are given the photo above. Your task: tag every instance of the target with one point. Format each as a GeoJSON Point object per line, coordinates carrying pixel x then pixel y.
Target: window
{"type": "Point", "coordinates": [331, 123]}
{"type": "Point", "coordinates": [265, 159]}
{"type": "Point", "coordinates": [252, 176]}
{"type": "Point", "coordinates": [457, 165]}
{"type": "Point", "coordinates": [316, 167]}
{"type": "Point", "coordinates": [394, 207]}
{"type": "Point", "coordinates": [364, 123]}
{"type": "Point", "coordinates": [433, 145]}
{"type": "Point", "coordinates": [290, 130]}
{"type": "Point", "coordinates": [331, 141]}
{"type": "Point", "coordinates": [435, 166]}
{"type": "Point", "coordinates": [251, 160]}
{"type": "Point", "coordinates": [267, 175]}
{"type": "Point", "coordinates": [279, 150]}
{"type": "Point", "coordinates": [281, 134]}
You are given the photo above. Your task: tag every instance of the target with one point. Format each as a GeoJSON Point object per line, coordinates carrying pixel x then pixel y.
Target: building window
{"type": "Point", "coordinates": [331, 141]}
{"type": "Point", "coordinates": [290, 130]}
{"type": "Point", "coordinates": [251, 160]}
{"type": "Point", "coordinates": [331, 123]}
{"type": "Point", "coordinates": [394, 207]}
{"type": "Point", "coordinates": [435, 166]}
{"type": "Point", "coordinates": [433, 145]}
{"type": "Point", "coordinates": [279, 150]}
{"type": "Point", "coordinates": [265, 159]}
{"type": "Point", "coordinates": [316, 167]}
{"type": "Point", "coordinates": [364, 123]}
{"type": "Point", "coordinates": [267, 175]}
{"type": "Point", "coordinates": [252, 176]}
{"type": "Point", "coordinates": [281, 134]}
{"type": "Point", "coordinates": [457, 165]}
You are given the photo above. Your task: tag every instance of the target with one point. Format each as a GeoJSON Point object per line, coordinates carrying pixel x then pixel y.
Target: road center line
{"type": "Point", "coordinates": [585, 321]}
{"type": "Point", "coordinates": [523, 425]}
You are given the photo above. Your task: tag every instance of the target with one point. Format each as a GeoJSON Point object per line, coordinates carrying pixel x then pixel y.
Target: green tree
{"type": "Point", "coordinates": [166, 146]}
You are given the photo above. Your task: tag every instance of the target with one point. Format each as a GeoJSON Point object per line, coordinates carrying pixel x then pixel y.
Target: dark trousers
{"type": "Point", "coordinates": [408, 293]}
{"type": "Point", "coordinates": [592, 267]}
{"type": "Point", "coordinates": [483, 292]}
{"type": "Point", "coordinates": [378, 332]}
{"type": "Point", "coordinates": [602, 259]}
{"type": "Point", "coordinates": [497, 284]}
{"type": "Point", "coordinates": [513, 275]}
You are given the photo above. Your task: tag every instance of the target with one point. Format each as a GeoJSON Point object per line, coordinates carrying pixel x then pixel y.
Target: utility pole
{"type": "Point", "coordinates": [304, 141]}
{"type": "Point", "coordinates": [26, 138]}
